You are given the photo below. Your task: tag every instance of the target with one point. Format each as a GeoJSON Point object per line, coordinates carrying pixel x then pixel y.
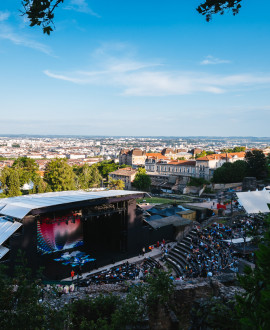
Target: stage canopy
{"type": "Point", "coordinates": [19, 207]}
{"type": "Point", "coordinates": [255, 201]}
{"type": "Point", "coordinates": [7, 228]}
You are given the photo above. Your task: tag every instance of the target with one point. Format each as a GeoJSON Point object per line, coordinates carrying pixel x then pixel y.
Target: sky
{"type": "Point", "coordinates": [136, 68]}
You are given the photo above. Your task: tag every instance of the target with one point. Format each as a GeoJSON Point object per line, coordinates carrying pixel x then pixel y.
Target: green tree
{"type": "Point", "coordinates": [231, 172]}
{"type": "Point", "coordinates": [142, 181]}
{"type": "Point", "coordinates": [59, 175]}
{"type": "Point", "coordinates": [10, 182]}
{"type": "Point", "coordinates": [202, 154]}
{"type": "Point", "coordinates": [211, 7]}
{"type": "Point", "coordinates": [27, 168]}
{"type": "Point", "coordinates": [20, 307]}
{"type": "Point", "coordinates": [87, 176]}
{"type": "Point", "coordinates": [108, 166]}
{"type": "Point", "coordinates": [257, 164]}
{"type": "Point", "coordinates": [116, 184]}
{"type": "Point", "coordinates": [239, 149]}
{"type": "Point", "coordinates": [253, 307]}
{"type": "Point", "coordinates": [96, 177]}
{"type": "Point", "coordinates": [40, 186]}
{"type": "Point", "coordinates": [41, 13]}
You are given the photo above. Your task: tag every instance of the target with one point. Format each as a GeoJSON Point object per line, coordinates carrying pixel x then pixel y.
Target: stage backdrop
{"type": "Point", "coordinates": [59, 233]}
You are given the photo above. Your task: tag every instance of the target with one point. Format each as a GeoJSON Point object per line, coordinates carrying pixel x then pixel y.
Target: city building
{"type": "Point", "coordinates": [205, 166]}
{"type": "Point", "coordinates": [134, 157]}
{"type": "Point", "coordinates": [127, 175]}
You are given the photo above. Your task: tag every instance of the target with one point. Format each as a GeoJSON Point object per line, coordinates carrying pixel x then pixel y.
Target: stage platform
{"type": "Point", "coordinates": [155, 253]}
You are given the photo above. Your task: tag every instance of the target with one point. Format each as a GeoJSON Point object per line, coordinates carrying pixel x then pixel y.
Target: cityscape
{"type": "Point", "coordinates": [134, 165]}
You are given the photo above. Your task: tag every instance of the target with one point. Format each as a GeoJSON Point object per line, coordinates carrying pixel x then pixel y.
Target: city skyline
{"type": "Point", "coordinates": [153, 69]}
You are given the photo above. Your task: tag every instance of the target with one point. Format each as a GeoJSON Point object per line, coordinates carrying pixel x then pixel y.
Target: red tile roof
{"type": "Point", "coordinates": [223, 156]}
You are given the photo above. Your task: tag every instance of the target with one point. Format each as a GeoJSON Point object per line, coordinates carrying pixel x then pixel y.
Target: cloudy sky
{"type": "Point", "coordinates": [136, 68]}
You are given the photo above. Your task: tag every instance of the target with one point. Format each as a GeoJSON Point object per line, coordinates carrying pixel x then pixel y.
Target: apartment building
{"type": "Point", "coordinates": [134, 157]}
{"type": "Point", "coordinates": [205, 166]}
{"type": "Point", "coordinates": [127, 175]}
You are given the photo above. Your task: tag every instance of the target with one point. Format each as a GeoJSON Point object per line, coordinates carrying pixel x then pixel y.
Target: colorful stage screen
{"type": "Point", "coordinates": [58, 234]}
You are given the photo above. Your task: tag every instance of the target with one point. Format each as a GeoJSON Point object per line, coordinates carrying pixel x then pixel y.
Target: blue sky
{"type": "Point", "coordinates": [136, 68]}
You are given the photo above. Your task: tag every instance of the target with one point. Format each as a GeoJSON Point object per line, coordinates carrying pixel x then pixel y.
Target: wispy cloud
{"type": "Point", "coordinates": [4, 15]}
{"type": "Point", "coordinates": [80, 6]}
{"type": "Point", "coordinates": [150, 78]}
{"type": "Point", "coordinates": [213, 60]}
{"type": "Point", "coordinates": [8, 33]}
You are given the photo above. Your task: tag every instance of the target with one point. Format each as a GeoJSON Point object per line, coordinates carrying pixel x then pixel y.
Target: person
{"type": "Point", "coordinates": [72, 274]}
{"type": "Point", "coordinates": [143, 251]}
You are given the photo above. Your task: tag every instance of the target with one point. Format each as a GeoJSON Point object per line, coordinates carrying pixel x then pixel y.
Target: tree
{"type": "Point", "coordinates": [87, 176]}
{"type": "Point", "coordinates": [231, 172]}
{"type": "Point", "coordinates": [142, 180]}
{"type": "Point", "coordinates": [211, 7]}
{"type": "Point", "coordinates": [20, 307]}
{"type": "Point", "coordinates": [253, 307]}
{"type": "Point", "coordinates": [257, 164]}
{"type": "Point", "coordinates": [41, 13]}
{"type": "Point", "coordinates": [40, 186]}
{"type": "Point", "coordinates": [116, 184]}
{"type": "Point", "coordinates": [27, 168]}
{"type": "Point", "coordinates": [59, 175]}
{"type": "Point", "coordinates": [202, 154]}
{"type": "Point", "coordinates": [10, 182]}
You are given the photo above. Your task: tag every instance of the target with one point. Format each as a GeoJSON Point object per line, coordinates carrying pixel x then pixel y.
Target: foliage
{"type": "Point", "coordinates": [197, 182]}
{"type": "Point", "coordinates": [20, 306]}
{"type": "Point", "coordinates": [253, 307]}
{"type": "Point", "coordinates": [10, 182]}
{"type": "Point", "coordinates": [235, 149]}
{"type": "Point", "coordinates": [41, 13]}
{"type": "Point", "coordinates": [59, 175]}
{"type": "Point", "coordinates": [15, 145]}
{"type": "Point", "coordinates": [213, 314]}
{"type": "Point", "coordinates": [159, 288]}
{"type": "Point", "coordinates": [116, 184]}
{"type": "Point", "coordinates": [204, 153]}
{"type": "Point", "coordinates": [107, 167]}
{"type": "Point", "coordinates": [87, 176]}
{"type": "Point", "coordinates": [231, 172]}
{"type": "Point", "coordinates": [40, 186]}
{"type": "Point", "coordinates": [257, 164]}
{"type": "Point", "coordinates": [142, 180]}
{"type": "Point", "coordinates": [27, 168]}
{"type": "Point", "coordinates": [94, 313]}
{"type": "Point", "coordinates": [211, 7]}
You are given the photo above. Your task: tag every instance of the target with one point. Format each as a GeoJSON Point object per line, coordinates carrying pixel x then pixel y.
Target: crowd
{"type": "Point", "coordinates": [123, 272]}
{"type": "Point", "coordinates": [210, 251]}
{"type": "Point", "coordinates": [208, 254]}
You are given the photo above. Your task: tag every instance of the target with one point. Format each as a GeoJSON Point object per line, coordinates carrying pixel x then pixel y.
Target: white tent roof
{"type": "Point", "coordinates": [255, 201]}
{"type": "Point", "coordinates": [7, 228]}
{"type": "Point", "coordinates": [19, 207]}
{"type": "Point", "coordinates": [3, 251]}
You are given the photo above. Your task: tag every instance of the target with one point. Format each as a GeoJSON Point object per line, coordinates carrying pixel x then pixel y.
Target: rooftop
{"type": "Point", "coordinates": [173, 220]}
{"type": "Point", "coordinates": [127, 171]}
{"type": "Point", "coordinates": [19, 207]}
